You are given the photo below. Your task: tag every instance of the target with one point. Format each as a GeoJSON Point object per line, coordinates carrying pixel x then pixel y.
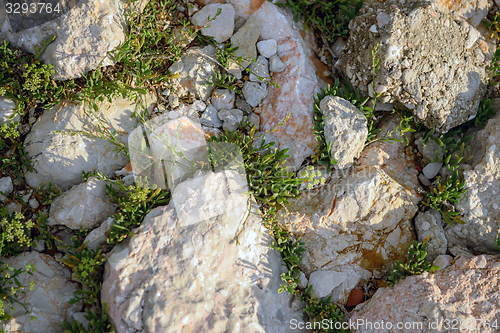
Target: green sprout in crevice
{"type": "Point", "coordinates": [416, 263]}
{"type": "Point", "coordinates": [444, 195]}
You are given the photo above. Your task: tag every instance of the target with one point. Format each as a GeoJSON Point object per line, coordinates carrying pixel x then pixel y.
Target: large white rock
{"type": "Point", "coordinates": [222, 27]}
{"type": "Point", "coordinates": [49, 302]}
{"type": "Point", "coordinates": [345, 128]}
{"type": "Point", "coordinates": [213, 275]}
{"type": "Point", "coordinates": [479, 205]}
{"type": "Point", "coordinates": [84, 206]}
{"type": "Point", "coordinates": [61, 157]}
{"type": "Point", "coordinates": [465, 293]}
{"type": "Point", "coordinates": [355, 226]}
{"type": "Point", "coordinates": [84, 36]}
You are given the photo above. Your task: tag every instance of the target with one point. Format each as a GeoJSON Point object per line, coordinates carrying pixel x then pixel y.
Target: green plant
{"type": "Point", "coordinates": [494, 70]}
{"type": "Point", "coordinates": [497, 243]}
{"type": "Point", "coordinates": [44, 234]}
{"type": "Point", "coordinates": [8, 131]}
{"type": "Point", "coordinates": [10, 288]}
{"type": "Point", "coordinates": [98, 323]}
{"type": "Point", "coordinates": [88, 270]}
{"type": "Point", "coordinates": [452, 149]}
{"type": "Point", "coordinates": [442, 196]}
{"type": "Point", "coordinates": [29, 82]}
{"type": "Point", "coordinates": [15, 233]}
{"type": "Point", "coordinates": [272, 185]}
{"type": "Point", "coordinates": [227, 53]}
{"type": "Point", "coordinates": [268, 178]}
{"type": "Point", "coordinates": [134, 203]}
{"type": "Point", "coordinates": [484, 113]}
{"type": "Point", "coordinates": [47, 193]}
{"type": "Point", "coordinates": [331, 18]}
{"type": "Point", "coordinates": [493, 25]}
{"type": "Point", "coordinates": [221, 80]}
{"type": "Point", "coordinates": [309, 176]}
{"type": "Point", "coordinates": [320, 311]}
{"type": "Point", "coordinates": [415, 263]}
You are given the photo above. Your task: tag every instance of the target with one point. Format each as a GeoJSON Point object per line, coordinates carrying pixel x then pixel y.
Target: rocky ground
{"type": "Point", "coordinates": [132, 204]}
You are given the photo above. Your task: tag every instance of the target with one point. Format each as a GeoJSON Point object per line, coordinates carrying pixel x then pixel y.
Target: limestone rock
{"type": "Point", "coordinates": [173, 147]}
{"type": "Point", "coordinates": [230, 118]}
{"type": "Point", "coordinates": [49, 302]}
{"type": "Point", "coordinates": [426, 66]}
{"type": "Point", "coordinates": [97, 237]}
{"type": "Point", "coordinates": [431, 170]}
{"type": "Point", "coordinates": [467, 292]}
{"type": "Point", "coordinates": [61, 157]}
{"type": "Point", "coordinates": [222, 27]}
{"type": "Point", "coordinates": [245, 39]}
{"type": "Point", "coordinates": [267, 48]}
{"type": "Point", "coordinates": [84, 36]}
{"type": "Point", "coordinates": [396, 159]}
{"type": "Point", "coordinates": [479, 205]}
{"type": "Point", "coordinates": [254, 92]}
{"type": "Point", "coordinates": [210, 118]}
{"type": "Point", "coordinates": [84, 206]}
{"type": "Point", "coordinates": [359, 223]}
{"type": "Point", "coordinates": [430, 224]}
{"type": "Point", "coordinates": [7, 113]}
{"type": "Point", "coordinates": [298, 82]}
{"type": "Point", "coordinates": [195, 68]}
{"type": "Point", "coordinates": [223, 99]}
{"type": "Point", "coordinates": [473, 11]}
{"type": "Point", "coordinates": [6, 185]}
{"type": "Point", "coordinates": [198, 278]}
{"type": "Point", "coordinates": [276, 65]}
{"type": "Point", "coordinates": [345, 129]}
{"type": "Point", "coordinates": [261, 69]}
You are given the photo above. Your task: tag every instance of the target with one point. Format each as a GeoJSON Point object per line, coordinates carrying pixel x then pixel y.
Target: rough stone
{"type": "Point", "coordinates": [467, 292]}
{"type": "Point", "coordinates": [195, 68]}
{"type": "Point", "coordinates": [84, 36]}
{"type": "Point", "coordinates": [267, 48]}
{"type": "Point", "coordinates": [84, 206]}
{"type": "Point", "coordinates": [359, 222]}
{"type": "Point", "coordinates": [223, 99]}
{"type": "Point", "coordinates": [430, 224]}
{"type": "Point", "coordinates": [6, 186]}
{"type": "Point", "coordinates": [254, 92]}
{"type": "Point", "coordinates": [198, 278]}
{"type": "Point", "coordinates": [210, 118]}
{"type": "Point", "coordinates": [61, 157]}
{"type": "Point", "coordinates": [442, 261]}
{"type": "Point", "coordinates": [431, 170]}
{"type": "Point", "coordinates": [254, 120]}
{"type": "Point", "coordinates": [49, 302]}
{"type": "Point", "coordinates": [444, 81]}
{"type": "Point", "coordinates": [230, 118]}
{"type": "Point", "coordinates": [479, 205]}
{"type": "Point", "coordinates": [260, 68]}
{"type": "Point", "coordinates": [176, 143]}
{"type": "Point", "coordinates": [276, 65]}
{"type": "Point", "coordinates": [7, 113]}
{"type": "Point", "coordinates": [473, 11]}
{"type": "Point", "coordinates": [222, 27]}
{"type": "Point", "coordinates": [245, 39]}
{"type": "Point", "coordinates": [345, 128]}
{"type": "Point", "coordinates": [97, 237]}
